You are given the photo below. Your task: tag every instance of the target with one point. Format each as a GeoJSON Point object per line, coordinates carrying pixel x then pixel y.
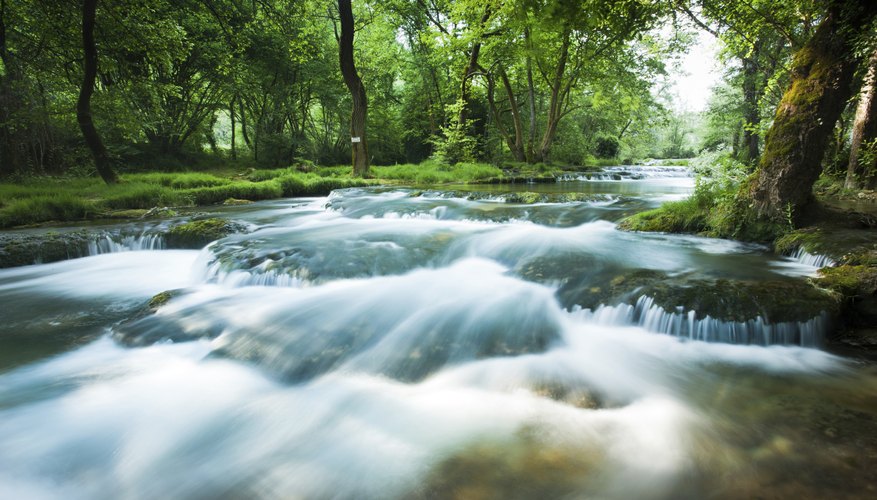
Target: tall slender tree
{"type": "Point", "coordinates": [359, 114]}
{"type": "Point", "coordinates": [102, 159]}
{"type": "Point", "coordinates": [862, 168]}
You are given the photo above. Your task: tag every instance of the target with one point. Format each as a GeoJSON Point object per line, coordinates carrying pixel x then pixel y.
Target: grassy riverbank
{"type": "Point", "coordinates": [43, 199]}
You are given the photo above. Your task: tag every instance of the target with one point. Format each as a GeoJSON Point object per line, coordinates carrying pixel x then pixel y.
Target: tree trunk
{"type": "Point", "coordinates": [471, 68]}
{"type": "Point", "coordinates": [234, 152]}
{"type": "Point", "coordinates": [751, 116]}
{"type": "Point", "coordinates": [516, 143]}
{"type": "Point", "coordinates": [531, 101]}
{"type": "Point", "coordinates": [244, 132]}
{"type": "Point", "coordinates": [862, 169]}
{"type": "Point", "coordinates": [359, 114]}
{"type": "Point", "coordinates": [822, 75]}
{"type": "Point", "coordinates": [558, 93]}
{"type": "Point", "coordinates": [102, 160]}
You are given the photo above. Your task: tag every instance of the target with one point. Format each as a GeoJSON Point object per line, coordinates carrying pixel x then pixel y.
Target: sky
{"type": "Point", "coordinates": [697, 73]}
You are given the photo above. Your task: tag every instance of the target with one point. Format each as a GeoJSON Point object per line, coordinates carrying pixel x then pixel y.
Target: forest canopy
{"type": "Point", "coordinates": [167, 84]}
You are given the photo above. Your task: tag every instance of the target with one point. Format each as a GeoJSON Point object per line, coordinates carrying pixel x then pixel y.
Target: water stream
{"type": "Point", "coordinates": [446, 343]}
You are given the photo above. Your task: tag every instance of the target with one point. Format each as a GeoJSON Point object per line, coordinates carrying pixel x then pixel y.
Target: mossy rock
{"type": "Point", "coordinates": [159, 212]}
{"type": "Point", "coordinates": [134, 213]}
{"type": "Point", "coordinates": [844, 245]}
{"type": "Point", "coordinates": [849, 280]}
{"type": "Point", "coordinates": [145, 328]}
{"type": "Point", "coordinates": [236, 202]}
{"type": "Point", "coordinates": [524, 198]}
{"type": "Point", "coordinates": [776, 301]}
{"type": "Point", "coordinates": [26, 249]}
{"type": "Point", "coordinates": [198, 233]}
{"type": "Point", "coordinates": [665, 219]}
{"type": "Point", "coordinates": [160, 299]}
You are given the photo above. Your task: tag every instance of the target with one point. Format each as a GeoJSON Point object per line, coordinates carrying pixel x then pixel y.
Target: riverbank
{"type": "Point", "coordinates": [838, 236]}
{"type": "Point", "coordinates": [39, 200]}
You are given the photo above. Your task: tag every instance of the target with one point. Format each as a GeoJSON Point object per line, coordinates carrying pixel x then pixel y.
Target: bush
{"type": "Point", "coordinates": [455, 145]}
{"type": "Point", "coordinates": [607, 147]}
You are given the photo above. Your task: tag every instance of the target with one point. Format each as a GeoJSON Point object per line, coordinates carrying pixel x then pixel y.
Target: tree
{"type": "Point", "coordinates": [102, 159]}
{"type": "Point", "coordinates": [822, 77]}
{"type": "Point", "coordinates": [359, 113]}
{"type": "Point", "coordinates": [862, 168]}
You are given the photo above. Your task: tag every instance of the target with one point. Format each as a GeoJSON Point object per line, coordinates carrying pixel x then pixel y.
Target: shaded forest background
{"type": "Point", "coordinates": [187, 82]}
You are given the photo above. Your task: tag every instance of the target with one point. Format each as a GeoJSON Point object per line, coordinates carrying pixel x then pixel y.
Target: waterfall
{"type": "Point", "coordinates": [757, 331]}
{"type": "Point", "coordinates": [810, 259]}
{"type": "Point", "coordinates": [108, 244]}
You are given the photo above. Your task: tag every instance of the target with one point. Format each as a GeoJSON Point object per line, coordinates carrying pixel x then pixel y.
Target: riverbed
{"type": "Point", "coordinates": [443, 342]}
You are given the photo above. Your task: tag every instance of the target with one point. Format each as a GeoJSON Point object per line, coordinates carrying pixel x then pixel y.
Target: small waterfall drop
{"type": "Point", "coordinates": [107, 243]}
{"type": "Point", "coordinates": [815, 260]}
{"type": "Point", "coordinates": [687, 325]}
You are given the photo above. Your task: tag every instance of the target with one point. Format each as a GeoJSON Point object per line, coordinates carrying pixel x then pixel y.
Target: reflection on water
{"type": "Point", "coordinates": [391, 343]}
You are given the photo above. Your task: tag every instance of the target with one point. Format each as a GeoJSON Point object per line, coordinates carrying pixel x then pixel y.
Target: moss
{"type": "Point", "coordinates": [196, 234]}
{"type": "Point", "coordinates": [236, 202]}
{"type": "Point", "coordinates": [849, 280]}
{"type": "Point", "coordinates": [134, 213]}
{"type": "Point", "coordinates": [524, 198]}
{"type": "Point", "coordinates": [160, 299]}
{"type": "Point", "coordinates": [674, 217]}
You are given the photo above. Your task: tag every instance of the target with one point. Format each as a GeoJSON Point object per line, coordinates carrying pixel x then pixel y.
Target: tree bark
{"type": "Point", "coordinates": [862, 169]}
{"type": "Point", "coordinates": [471, 69]}
{"type": "Point", "coordinates": [822, 75]}
{"type": "Point", "coordinates": [231, 113]}
{"type": "Point", "coordinates": [244, 133]}
{"type": "Point", "coordinates": [516, 143]}
{"type": "Point", "coordinates": [359, 114]}
{"type": "Point", "coordinates": [531, 101]}
{"type": "Point", "coordinates": [558, 94]}
{"type": "Point", "coordinates": [102, 160]}
{"type": "Point", "coordinates": [752, 92]}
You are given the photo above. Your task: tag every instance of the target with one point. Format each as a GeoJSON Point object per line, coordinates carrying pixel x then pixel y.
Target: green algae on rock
{"type": "Point", "coordinates": [197, 233]}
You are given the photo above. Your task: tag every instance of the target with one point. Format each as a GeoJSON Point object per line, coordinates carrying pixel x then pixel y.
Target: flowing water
{"type": "Point", "coordinates": [393, 343]}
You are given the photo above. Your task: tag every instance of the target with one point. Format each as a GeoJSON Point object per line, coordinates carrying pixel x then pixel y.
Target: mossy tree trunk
{"type": "Point", "coordinates": [359, 114]}
{"type": "Point", "coordinates": [102, 159]}
{"type": "Point", "coordinates": [862, 168]}
{"type": "Point", "coordinates": [822, 75]}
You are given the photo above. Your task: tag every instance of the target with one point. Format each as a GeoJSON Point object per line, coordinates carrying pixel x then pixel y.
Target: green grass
{"type": "Point", "coordinates": [39, 208]}
{"type": "Point", "coordinates": [43, 199]}
{"type": "Point", "coordinates": [430, 172]}
{"type": "Point", "coordinates": [57, 199]}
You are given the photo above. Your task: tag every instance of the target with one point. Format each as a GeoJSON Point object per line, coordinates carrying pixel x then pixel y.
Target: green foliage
{"type": "Point", "coordinates": [607, 147]}
{"type": "Point", "coordinates": [454, 145]}
{"type": "Point", "coordinates": [719, 207]}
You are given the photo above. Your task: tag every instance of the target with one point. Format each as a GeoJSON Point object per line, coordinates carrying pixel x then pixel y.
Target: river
{"type": "Point", "coordinates": [429, 343]}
